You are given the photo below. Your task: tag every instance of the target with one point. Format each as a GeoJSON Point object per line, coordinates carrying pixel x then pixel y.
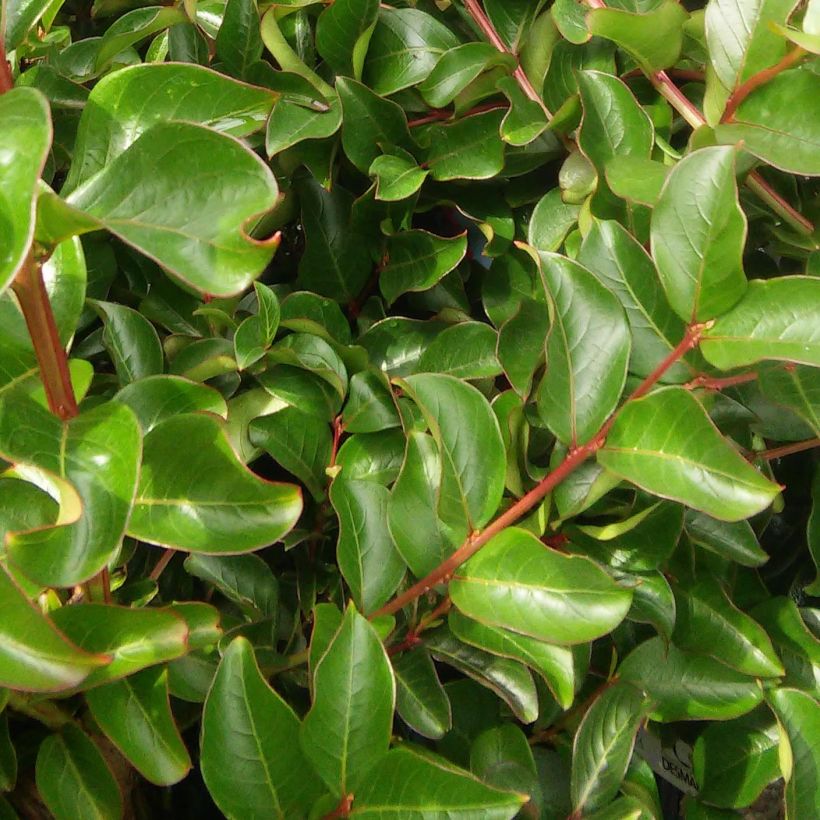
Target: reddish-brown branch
{"type": "Point", "coordinates": [6, 78]}
{"type": "Point", "coordinates": [788, 449]}
{"type": "Point", "coordinates": [342, 810]}
{"type": "Point", "coordinates": [439, 114]}
{"type": "Point", "coordinates": [30, 290]}
{"type": "Point", "coordinates": [756, 80]}
{"type": "Point", "coordinates": [678, 73]}
{"type": "Point", "coordinates": [574, 458]}
{"type": "Point", "coordinates": [161, 564]}
{"type": "Point", "coordinates": [719, 383]}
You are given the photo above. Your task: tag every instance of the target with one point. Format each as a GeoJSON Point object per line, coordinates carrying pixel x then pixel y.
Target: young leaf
{"type": "Point", "coordinates": [136, 716]}
{"type": "Point", "coordinates": [774, 320]}
{"type": "Point", "coordinates": [224, 507]}
{"type": "Point", "coordinates": [587, 351]}
{"type": "Point", "coordinates": [254, 336]}
{"type": "Point", "coordinates": [131, 29]}
{"type": "Point", "coordinates": [343, 33]}
{"type": "Point", "coordinates": [347, 730]}
{"type": "Point", "coordinates": [517, 583]}
{"type": "Point", "coordinates": [683, 458]}
{"type": "Point", "coordinates": [603, 746]}
{"type": "Point", "coordinates": [421, 700]}
{"type": "Point", "coordinates": [73, 778]}
{"type": "Point", "coordinates": [244, 719]}
{"type": "Point", "coordinates": [698, 234]}
{"type": "Point", "coordinates": [238, 42]}
{"type": "Point", "coordinates": [24, 145]}
{"type": "Point", "coordinates": [397, 174]}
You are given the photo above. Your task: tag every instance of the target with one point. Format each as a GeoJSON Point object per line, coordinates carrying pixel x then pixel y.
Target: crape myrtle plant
{"type": "Point", "coordinates": [408, 410]}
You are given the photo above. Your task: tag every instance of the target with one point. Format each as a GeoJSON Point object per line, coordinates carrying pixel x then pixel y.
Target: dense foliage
{"type": "Point", "coordinates": [408, 410]}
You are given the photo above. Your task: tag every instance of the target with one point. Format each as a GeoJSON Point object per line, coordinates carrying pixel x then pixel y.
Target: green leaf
{"type": "Point", "coordinates": [238, 42]}
{"type": "Point", "coordinates": [551, 220]}
{"type": "Point", "coordinates": [132, 28]}
{"type": "Point", "coordinates": [306, 312]}
{"type": "Point", "coordinates": [245, 579]}
{"type": "Point", "coordinates": [457, 68]}
{"type": "Point", "coordinates": [299, 442]}
{"type": "Point", "coordinates": [654, 39]}
{"type": "Point", "coordinates": [775, 124]}
{"type": "Point", "coordinates": [347, 729]}
{"type": "Point", "coordinates": [73, 778]}
{"type": "Point", "coordinates": [684, 457]}
{"type": "Point", "coordinates": [774, 320]}
{"type": "Point", "coordinates": [254, 336]}
{"type": "Point", "coordinates": [511, 19]}
{"type": "Point", "coordinates": [733, 540]}
{"type": "Point", "coordinates": [196, 495]}
{"type": "Point", "coordinates": [797, 387]}
{"type": "Point", "coordinates": [314, 355]}
{"type": "Point", "coordinates": [472, 467]}
{"type": "Point", "coordinates": [372, 457]}
{"type": "Point", "coordinates": [421, 700]}
{"type": "Point", "coordinates": [465, 350]}
{"type": "Point", "coordinates": [520, 345]}
{"type": "Point", "coordinates": [24, 146]}
{"type": "Point", "coordinates": [19, 18]}
{"type": "Point", "coordinates": [91, 462]}
{"type": "Point", "coordinates": [157, 398]}
{"type": "Point", "coordinates": [404, 48]}
{"type": "Point", "coordinates": [799, 718]}
{"type": "Point", "coordinates": [370, 405]}
{"type": "Point", "coordinates": [515, 582]}
{"type": "Point", "coordinates": [397, 176]}
{"type": "Point", "coordinates": [614, 123]}
{"type": "Point", "coordinates": [470, 148]}
{"type": "Point", "coordinates": [510, 680]}
{"type": "Point", "coordinates": [365, 552]}
{"type": "Point", "coordinates": [682, 686]}
{"type": "Point", "coordinates": [159, 196]}
{"type": "Point", "coordinates": [413, 785]}
{"type": "Point", "coordinates": [343, 33]}
{"type": "Point", "coordinates": [623, 266]}
{"type": "Point", "coordinates": [698, 234]}
{"type": "Point", "coordinates": [636, 179]}
{"type": "Point", "coordinates": [417, 260]}
{"type": "Point", "coordinates": [370, 122]}
{"type": "Point", "coordinates": [8, 757]}
{"type": "Point", "coordinates": [708, 622]}
{"type": "Point", "coordinates": [525, 119]}
{"type": "Point", "coordinates": [733, 762]}
{"type": "Point", "coordinates": [131, 342]}
{"type": "Point", "coordinates": [603, 746]}
{"type": "Point", "coordinates": [290, 123]}
{"type": "Point", "coordinates": [741, 39]}
{"type": "Point", "coordinates": [127, 102]}
{"type": "Point", "coordinates": [135, 715]}
{"type": "Point", "coordinates": [34, 656]}
{"type": "Point", "coordinates": [244, 719]}
{"type": "Point", "coordinates": [582, 386]}
{"type": "Point", "coordinates": [555, 664]}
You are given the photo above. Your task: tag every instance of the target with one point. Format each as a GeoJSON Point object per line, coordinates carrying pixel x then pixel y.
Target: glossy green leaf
{"type": "Point", "coordinates": [623, 266]}
{"type": "Point", "coordinates": [682, 686]}
{"type": "Point", "coordinates": [799, 717]}
{"type": "Point", "coordinates": [653, 39]}
{"type": "Point", "coordinates": [554, 664]}
{"type": "Point", "coordinates": [698, 234]}
{"type": "Point", "coordinates": [470, 148]}
{"type": "Point", "coordinates": [525, 119]}
{"type": "Point", "coordinates": [797, 387]}
{"type": "Point", "coordinates": [636, 179]}
{"type": "Point", "coordinates": [245, 579]}
{"type": "Point", "coordinates": [708, 622]}
{"type": "Point", "coordinates": [91, 463]}
{"type": "Point", "coordinates": [131, 342]}
{"type": "Point", "coordinates": [472, 476]}
{"type": "Point", "coordinates": [733, 540]}
{"type": "Point", "coordinates": [238, 41]}
{"type": "Point", "coordinates": [404, 48]}
{"type": "Point", "coordinates": [343, 33]}
{"type": "Point", "coordinates": [367, 557]}
{"type": "Point", "coordinates": [254, 336]}
{"type": "Point", "coordinates": [456, 69]}
{"type": "Point", "coordinates": [520, 347]}
{"type": "Point", "coordinates": [510, 680]}
{"type": "Point", "coordinates": [224, 508]}
{"type": "Point", "coordinates": [135, 715]}
{"type": "Point", "coordinates": [24, 146]}
{"type": "Point", "coordinates": [776, 125]}
{"type": "Point", "coordinates": [551, 220]}
{"type": "Point", "coordinates": [587, 351]}
{"type": "Point", "coordinates": [774, 320]}
{"type": "Point", "coordinates": [19, 18]}
{"type": "Point", "coordinates": [465, 350]}
{"type": "Point", "coordinates": [421, 701]}
{"type": "Point", "coordinates": [299, 442]}
{"type": "Point", "coordinates": [157, 398]}
{"type": "Point", "coordinates": [398, 176]}
{"type": "Point", "coordinates": [128, 102]}
{"type": "Point", "coordinates": [347, 730]}
{"type": "Point", "coordinates": [603, 746]}
{"type": "Point", "coordinates": [73, 778]}
{"type": "Point", "coordinates": [244, 719]}
{"type": "Point", "coordinates": [372, 457]}
{"type": "Point", "coordinates": [685, 458]}
{"type": "Point", "coordinates": [313, 354]}
{"type": "Point", "coordinates": [511, 19]}
{"type": "Point", "coordinates": [517, 583]}
{"type": "Point", "coordinates": [414, 785]}
{"type": "Point", "coordinates": [132, 28]}
{"type": "Point", "coordinates": [290, 123]}
{"type": "Point", "coordinates": [306, 312]}
{"type": "Point", "coordinates": [370, 406]}
{"type": "Point", "coordinates": [34, 656]}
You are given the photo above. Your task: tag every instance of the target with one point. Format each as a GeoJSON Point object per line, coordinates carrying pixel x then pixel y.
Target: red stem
{"type": "Point", "coordinates": [756, 80]}
{"type": "Point", "coordinates": [163, 562]}
{"type": "Point", "coordinates": [342, 810]}
{"type": "Point", "coordinates": [788, 449]}
{"type": "Point", "coordinates": [713, 383]}
{"type": "Point", "coordinates": [6, 79]}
